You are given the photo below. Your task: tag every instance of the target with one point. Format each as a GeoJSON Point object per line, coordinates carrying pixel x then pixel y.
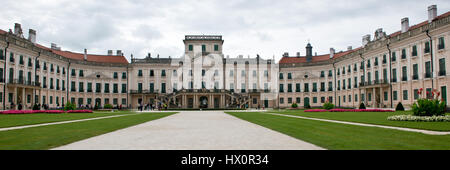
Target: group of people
{"type": "Point", "coordinates": [150, 106]}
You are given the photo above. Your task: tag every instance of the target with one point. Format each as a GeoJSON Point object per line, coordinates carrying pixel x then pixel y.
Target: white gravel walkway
{"type": "Point", "coordinates": [428, 132]}
{"type": "Point", "coordinates": [193, 130]}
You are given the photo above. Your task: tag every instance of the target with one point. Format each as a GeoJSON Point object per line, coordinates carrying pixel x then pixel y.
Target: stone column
{"type": "Point", "coordinates": [374, 102]}
{"type": "Point", "coordinates": [195, 101]}
{"type": "Point", "coordinates": [381, 97]}
{"type": "Point", "coordinates": [24, 102]}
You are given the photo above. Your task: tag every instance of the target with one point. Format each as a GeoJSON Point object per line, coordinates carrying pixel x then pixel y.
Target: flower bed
{"type": "Point", "coordinates": [420, 118]}
{"type": "Point", "coordinates": [54, 111]}
{"type": "Point", "coordinates": [43, 111]}
{"type": "Point", "coordinates": [361, 110]}
{"type": "Point", "coordinates": [316, 110]}
{"type": "Point", "coordinates": [349, 110]}
{"type": "Point", "coordinates": [79, 111]}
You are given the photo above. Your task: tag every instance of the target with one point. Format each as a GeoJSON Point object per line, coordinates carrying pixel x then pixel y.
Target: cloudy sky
{"type": "Point", "coordinates": [249, 27]}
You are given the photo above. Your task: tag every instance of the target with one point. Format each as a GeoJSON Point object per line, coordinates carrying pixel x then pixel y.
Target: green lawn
{"type": "Point", "coordinates": [342, 137]}
{"type": "Point", "coordinates": [30, 119]}
{"type": "Point", "coordinates": [46, 137]}
{"type": "Point", "coordinates": [379, 118]}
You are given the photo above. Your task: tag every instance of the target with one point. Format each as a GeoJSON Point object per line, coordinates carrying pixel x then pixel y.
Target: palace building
{"type": "Point", "coordinates": [385, 70]}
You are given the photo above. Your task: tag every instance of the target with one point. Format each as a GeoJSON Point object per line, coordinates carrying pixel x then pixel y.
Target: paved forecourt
{"type": "Point", "coordinates": [194, 130]}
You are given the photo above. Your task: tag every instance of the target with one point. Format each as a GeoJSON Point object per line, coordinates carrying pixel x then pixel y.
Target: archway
{"type": "Point", "coordinates": [203, 102]}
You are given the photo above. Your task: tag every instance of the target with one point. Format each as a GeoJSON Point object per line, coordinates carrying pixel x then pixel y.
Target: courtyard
{"type": "Point", "coordinates": [220, 130]}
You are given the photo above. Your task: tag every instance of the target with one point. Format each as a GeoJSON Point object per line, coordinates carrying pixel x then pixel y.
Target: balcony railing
{"type": "Point", "coordinates": [441, 72]}
{"type": "Point", "coordinates": [374, 82]}
{"type": "Point", "coordinates": [24, 82]}
{"type": "Point", "coordinates": [427, 75]}
{"type": "Point", "coordinates": [143, 91]}
{"type": "Point", "coordinates": [415, 77]}
{"type": "Point", "coordinates": [330, 89]}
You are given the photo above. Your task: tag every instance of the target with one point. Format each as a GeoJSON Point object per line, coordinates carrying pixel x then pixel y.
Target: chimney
{"type": "Point", "coordinates": [149, 55]}
{"type": "Point", "coordinates": [365, 39]}
{"type": "Point", "coordinates": [405, 24]}
{"type": "Point", "coordinates": [315, 53]}
{"type": "Point", "coordinates": [119, 52]}
{"type": "Point", "coordinates": [85, 54]}
{"type": "Point", "coordinates": [432, 13]}
{"type": "Point", "coordinates": [54, 47]}
{"type": "Point", "coordinates": [241, 56]}
{"type": "Point", "coordinates": [332, 51]}
{"type": "Point", "coordinates": [32, 35]}
{"type": "Point", "coordinates": [298, 54]}
{"type": "Point", "coordinates": [110, 52]}
{"type": "Point", "coordinates": [17, 29]}
{"type": "Point", "coordinates": [349, 48]}
{"type": "Point", "coordinates": [286, 54]}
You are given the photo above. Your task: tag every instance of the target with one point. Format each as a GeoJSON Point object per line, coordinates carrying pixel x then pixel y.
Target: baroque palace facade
{"type": "Point", "coordinates": [384, 71]}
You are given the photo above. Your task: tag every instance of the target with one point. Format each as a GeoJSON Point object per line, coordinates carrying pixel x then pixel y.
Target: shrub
{"type": "Point", "coordinates": [294, 105]}
{"type": "Point", "coordinates": [399, 107]}
{"type": "Point", "coordinates": [69, 106]}
{"type": "Point", "coordinates": [429, 107]}
{"type": "Point", "coordinates": [362, 106]}
{"type": "Point", "coordinates": [328, 105]}
{"type": "Point", "coordinates": [35, 107]}
{"type": "Point", "coordinates": [108, 106]}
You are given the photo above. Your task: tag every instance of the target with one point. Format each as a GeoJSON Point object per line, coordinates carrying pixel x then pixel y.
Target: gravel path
{"type": "Point", "coordinates": [193, 130]}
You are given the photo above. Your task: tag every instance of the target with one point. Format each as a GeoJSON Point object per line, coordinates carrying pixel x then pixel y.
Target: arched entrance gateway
{"type": "Point", "coordinates": [203, 102]}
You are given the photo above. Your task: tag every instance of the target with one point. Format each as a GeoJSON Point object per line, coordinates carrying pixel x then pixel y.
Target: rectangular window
{"type": "Point", "coordinates": [306, 87]}
{"type": "Point", "coordinates": [115, 75]}
{"type": "Point", "coordinates": [441, 44]}
{"type": "Point", "coordinates": [415, 72]}
{"type": "Point", "coordinates": [403, 53]}
{"type": "Point", "coordinates": [444, 93]}
{"type": "Point", "coordinates": [289, 88]}
{"type": "Point", "coordinates": [203, 48]}
{"type": "Point", "coordinates": [404, 74]}
{"type": "Point", "coordinates": [163, 73]}
{"type": "Point", "coordinates": [89, 87]}
{"type": "Point", "coordinates": [140, 73]}
{"type": "Point", "coordinates": [297, 87]}
{"type": "Point", "coordinates": [281, 88]}
{"type": "Point", "coordinates": [216, 47]}
{"type": "Point", "coordinates": [106, 87]}
{"type": "Point", "coordinates": [414, 50]}
{"type": "Point", "coordinates": [405, 94]}
{"type": "Point", "coordinates": [124, 88]}
{"type": "Point", "coordinates": [427, 47]}
{"type": "Point", "coordinates": [428, 69]}
{"type": "Point", "coordinates": [416, 94]}
{"type": "Point", "coordinates": [80, 87]}
{"type": "Point", "coordinates": [393, 57]}
{"type": "Point", "coordinates": [442, 67]}
{"type": "Point", "coordinates": [191, 47]}
{"type": "Point", "coordinates": [289, 76]}
{"type": "Point", "coordinates": [394, 75]}
{"type": "Point", "coordinates": [394, 95]}
{"type": "Point", "coordinates": [281, 100]}
{"type": "Point", "coordinates": [115, 88]}
{"type": "Point", "coordinates": [163, 87]}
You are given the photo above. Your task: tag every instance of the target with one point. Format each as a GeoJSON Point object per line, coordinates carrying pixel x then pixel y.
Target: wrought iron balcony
{"type": "Point", "coordinates": [442, 73]}
{"type": "Point", "coordinates": [428, 75]}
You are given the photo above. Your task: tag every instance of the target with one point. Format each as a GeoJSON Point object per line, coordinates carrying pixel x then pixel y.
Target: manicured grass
{"type": "Point", "coordinates": [342, 137]}
{"type": "Point", "coordinates": [46, 137]}
{"type": "Point", "coordinates": [30, 119]}
{"type": "Point", "coordinates": [379, 118]}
